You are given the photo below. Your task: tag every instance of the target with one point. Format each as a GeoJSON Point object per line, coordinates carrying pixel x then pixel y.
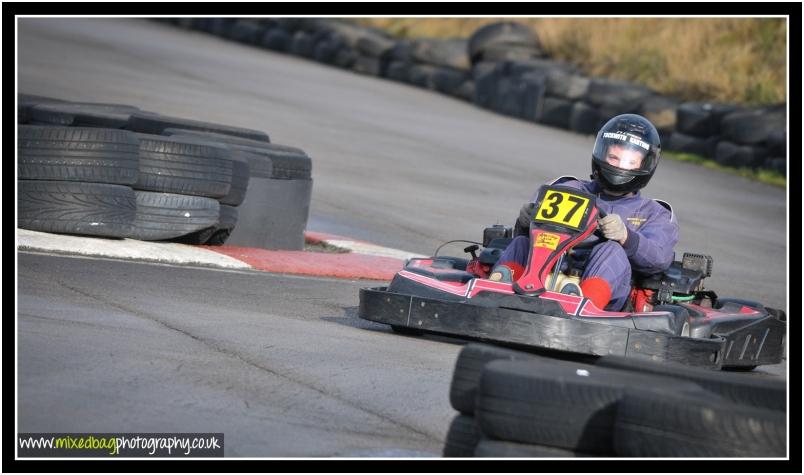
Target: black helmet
{"type": "Point", "coordinates": [626, 153]}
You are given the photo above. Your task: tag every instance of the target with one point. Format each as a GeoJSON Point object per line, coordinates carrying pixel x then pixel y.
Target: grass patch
{"type": "Point", "coordinates": [741, 60]}
{"type": "Point", "coordinates": [769, 177]}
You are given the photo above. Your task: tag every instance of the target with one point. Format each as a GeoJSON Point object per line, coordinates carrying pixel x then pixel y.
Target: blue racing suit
{"type": "Point", "coordinates": [648, 249]}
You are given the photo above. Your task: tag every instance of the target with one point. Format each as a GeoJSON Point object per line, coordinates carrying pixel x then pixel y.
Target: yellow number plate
{"type": "Point", "coordinates": [559, 207]}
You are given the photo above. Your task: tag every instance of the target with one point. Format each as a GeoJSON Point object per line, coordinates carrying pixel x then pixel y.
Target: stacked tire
{"type": "Point", "coordinates": [77, 180]}
{"type": "Point", "coordinates": [274, 209]}
{"type": "Point", "coordinates": [115, 171]}
{"type": "Point", "coordinates": [516, 404]}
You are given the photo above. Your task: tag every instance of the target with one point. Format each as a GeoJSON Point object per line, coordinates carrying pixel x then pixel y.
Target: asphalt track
{"type": "Point", "coordinates": [282, 363]}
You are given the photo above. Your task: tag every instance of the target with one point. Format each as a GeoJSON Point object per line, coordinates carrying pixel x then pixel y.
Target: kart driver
{"type": "Point", "coordinates": [639, 234]}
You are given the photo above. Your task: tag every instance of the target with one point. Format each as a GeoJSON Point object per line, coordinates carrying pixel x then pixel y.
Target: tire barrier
{"type": "Point", "coordinates": [116, 171]}
{"type": "Point", "coordinates": [512, 403]}
{"type": "Point", "coordinates": [503, 67]}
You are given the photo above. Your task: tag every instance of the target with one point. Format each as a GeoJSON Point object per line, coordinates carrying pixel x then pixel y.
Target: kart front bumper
{"type": "Point", "coordinates": [572, 334]}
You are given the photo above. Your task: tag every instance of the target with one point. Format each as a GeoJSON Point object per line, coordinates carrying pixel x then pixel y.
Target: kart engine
{"type": "Point", "coordinates": [681, 281]}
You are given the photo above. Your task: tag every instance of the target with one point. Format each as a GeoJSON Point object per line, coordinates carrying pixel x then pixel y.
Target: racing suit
{"type": "Point", "coordinates": [648, 249]}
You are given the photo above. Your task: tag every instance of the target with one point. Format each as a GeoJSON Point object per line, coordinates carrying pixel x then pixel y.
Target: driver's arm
{"type": "Point", "coordinates": [650, 246]}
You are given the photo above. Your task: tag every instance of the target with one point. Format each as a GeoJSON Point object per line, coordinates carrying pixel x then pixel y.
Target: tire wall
{"type": "Point", "coordinates": [112, 170]}
{"type": "Point", "coordinates": [503, 67]}
{"type": "Point", "coordinates": [511, 403]}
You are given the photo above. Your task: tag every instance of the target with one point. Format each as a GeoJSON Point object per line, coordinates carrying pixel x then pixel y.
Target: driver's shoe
{"type": "Point", "coordinates": [501, 274]}
{"type": "Point", "coordinates": [571, 288]}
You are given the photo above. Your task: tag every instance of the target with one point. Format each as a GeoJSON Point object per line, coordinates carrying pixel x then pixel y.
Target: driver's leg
{"type": "Point", "coordinates": [512, 261]}
{"type": "Point", "coordinates": [607, 276]}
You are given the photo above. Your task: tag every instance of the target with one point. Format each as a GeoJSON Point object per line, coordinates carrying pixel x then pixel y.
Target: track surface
{"type": "Point", "coordinates": [280, 364]}
{"type": "Point", "coordinates": [283, 364]}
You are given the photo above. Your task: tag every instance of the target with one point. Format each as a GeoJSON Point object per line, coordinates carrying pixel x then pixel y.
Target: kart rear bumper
{"type": "Point", "coordinates": [760, 342]}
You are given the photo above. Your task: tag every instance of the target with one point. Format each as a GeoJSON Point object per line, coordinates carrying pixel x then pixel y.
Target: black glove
{"type": "Point", "coordinates": [525, 217]}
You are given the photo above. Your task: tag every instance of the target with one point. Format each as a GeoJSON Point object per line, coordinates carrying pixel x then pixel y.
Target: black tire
{"type": "Point", "coordinates": [26, 102]}
{"type": "Point", "coordinates": [444, 53]}
{"type": "Point", "coordinates": [556, 403]}
{"type": "Point", "coordinates": [661, 111]}
{"type": "Point", "coordinates": [196, 238]}
{"type": "Point", "coordinates": [215, 235]}
{"type": "Point", "coordinates": [345, 58]}
{"type": "Point", "coordinates": [92, 209]}
{"type": "Point", "coordinates": [462, 437]}
{"type": "Point", "coordinates": [149, 123]}
{"type": "Point", "coordinates": [407, 331]}
{"type": "Point", "coordinates": [566, 85]}
{"type": "Point", "coordinates": [302, 44]}
{"type": "Point", "coordinates": [420, 75]}
{"type": "Point", "coordinates": [679, 142]}
{"type": "Point", "coordinates": [618, 96]}
{"type": "Point", "coordinates": [754, 126]}
{"type": "Point", "coordinates": [448, 81]}
{"type": "Point", "coordinates": [585, 119]}
{"type": "Point", "coordinates": [777, 313]}
{"type": "Point", "coordinates": [367, 65]}
{"type": "Point", "coordinates": [325, 51]}
{"type": "Point", "coordinates": [266, 160]}
{"type": "Point", "coordinates": [485, 76]}
{"type": "Point", "coordinates": [286, 163]}
{"type": "Point", "coordinates": [555, 112]}
{"type": "Point", "coordinates": [184, 165]}
{"type": "Point", "coordinates": [219, 237]}
{"type": "Point", "coordinates": [468, 368]}
{"type": "Point", "coordinates": [112, 116]}
{"type": "Point", "coordinates": [245, 31]}
{"type": "Point", "coordinates": [227, 219]}
{"type": "Point", "coordinates": [374, 46]}
{"type": "Point", "coordinates": [240, 176]}
{"type": "Point", "coordinates": [488, 448]}
{"type": "Point", "coordinates": [505, 52]}
{"type": "Point", "coordinates": [701, 119]}
{"type": "Point", "coordinates": [276, 39]}
{"type": "Point", "coordinates": [504, 33]}
{"type": "Point", "coordinates": [763, 393]}
{"type": "Point", "coordinates": [681, 321]}
{"type": "Point", "coordinates": [685, 425]}
{"type": "Point", "coordinates": [77, 154]}
{"type": "Point", "coordinates": [162, 216]}
{"type": "Point", "coordinates": [738, 156]}
{"type": "Point", "coordinates": [399, 71]}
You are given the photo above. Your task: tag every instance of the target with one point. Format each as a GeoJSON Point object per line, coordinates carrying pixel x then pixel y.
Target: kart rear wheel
{"type": "Point", "coordinates": [682, 316]}
{"type": "Point", "coordinates": [777, 313]}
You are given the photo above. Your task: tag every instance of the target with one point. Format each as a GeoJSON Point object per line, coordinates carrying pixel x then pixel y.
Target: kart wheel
{"type": "Point", "coordinates": [406, 330]}
{"type": "Point", "coordinates": [682, 318]}
{"type": "Point", "coordinates": [777, 313]}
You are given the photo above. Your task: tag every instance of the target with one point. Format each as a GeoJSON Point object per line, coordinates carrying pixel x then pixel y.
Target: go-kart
{"type": "Point", "coordinates": [669, 316]}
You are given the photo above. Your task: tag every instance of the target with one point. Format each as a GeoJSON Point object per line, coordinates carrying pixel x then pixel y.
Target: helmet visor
{"type": "Point", "coordinates": [626, 152]}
